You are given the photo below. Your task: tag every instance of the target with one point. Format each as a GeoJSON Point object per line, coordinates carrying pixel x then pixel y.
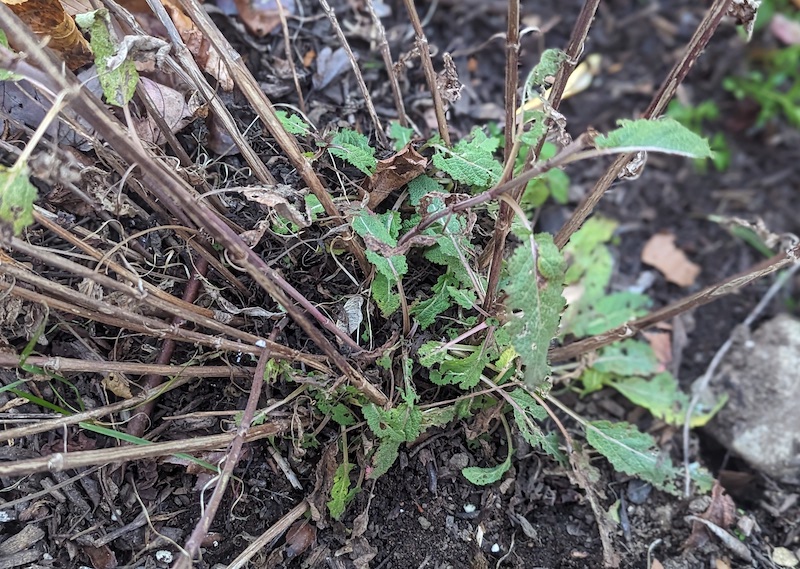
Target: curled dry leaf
{"type": "Point", "coordinates": [350, 317]}
{"type": "Point", "coordinates": [204, 52]}
{"type": "Point", "coordinates": [176, 111]}
{"type": "Point", "coordinates": [260, 17]}
{"type": "Point", "coordinates": [393, 173]}
{"type": "Point", "coordinates": [276, 197]}
{"type": "Point", "coordinates": [299, 537]}
{"type": "Point", "coordinates": [662, 253]}
{"type": "Point", "coordinates": [48, 18]}
{"type": "Point", "coordinates": [330, 64]}
{"type": "Point", "coordinates": [147, 52]}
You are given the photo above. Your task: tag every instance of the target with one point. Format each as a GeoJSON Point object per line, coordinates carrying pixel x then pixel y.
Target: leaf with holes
{"type": "Point", "coordinates": [17, 195]}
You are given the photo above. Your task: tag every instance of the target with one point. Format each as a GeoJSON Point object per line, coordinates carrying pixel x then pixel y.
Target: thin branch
{"type": "Point", "coordinates": [386, 53]}
{"type": "Point", "coordinates": [705, 30]}
{"type": "Point", "coordinates": [356, 71]}
{"type": "Point", "coordinates": [231, 460]}
{"type": "Point", "coordinates": [705, 296]}
{"type": "Point", "coordinates": [430, 74]}
{"type": "Point", "coordinates": [503, 224]}
{"type": "Point", "coordinates": [59, 461]}
{"type": "Point", "coordinates": [511, 84]}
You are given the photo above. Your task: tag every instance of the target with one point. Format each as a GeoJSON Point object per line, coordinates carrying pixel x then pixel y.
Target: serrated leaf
{"type": "Point", "coordinates": [526, 412]}
{"type": "Point", "coordinates": [464, 298]}
{"type": "Point", "coordinates": [426, 311]}
{"type": "Point", "coordinates": [471, 161]}
{"type": "Point", "coordinates": [430, 353]}
{"type": "Point", "coordinates": [353, 147]}
{"type": "Point", "coordinates": [605, 313]}
{"type": "Point", "coordinates": [626, 358]}
{"type": "Point", "coordinates": [534, 304]}
{"type": "Point", "coordinates": [664, 135]}
{"type": "Point", "coordinates": [119, 83]}
{"type": "Point", "coordinates": [483, 476]}
{"type": "Point", "coordinates": [549, 63]}
{"type": "Point", "coordinates": [293, 124]}
{"type": "Point", "coordinates": [421, 186]}
{"type": "Point", "coordinates": [341, 493]}
{"type": "Point", "coordinates": [393, 268]}
{"type": "Point", "coordinates": [384, 457]}
{"type": "Point", "coordinates": [662, 397]}
{"type": "Point", "coordinates": [401, 135]}
{"type": "Point", "coordinates": [17, 195]}
{"type": "Point", "coordinates": [635, 453]}
{"type": "Point", "coordinates": [384, 227]}
{"type": "Point", "coordinates": [383, 294]}
{"type": "Point", "coordinates": [464, 372]}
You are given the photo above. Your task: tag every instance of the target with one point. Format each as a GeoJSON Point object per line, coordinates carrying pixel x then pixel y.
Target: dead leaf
{"type": "Point", "coordinates": [117, 384]}
{"type": "Point", "coordinates": [350, 317]}
{"type": "Point", "coordinates": [204, 53]}
{"type": "Point", "coordinates": [393, 173]}
{"type": "Point", "coordinates": [330, 64]}
{"type": "Point", "coordinates": [275, 197]}
{"type": "Point", "coordinates": [721, 512]}
{"type": "Point", "coordinates": [147, 52]}
{"type": "Point", "coordinates": [656, 564]}
{"type": "Point", "coordinates": [175, 110]}
{"type": "Point", "coordinates": [447, 82]}
{"type": "Point", "coordinates": [661, 342]}
{"type": "Point", "coordinates": [745, 12]}
{"type": "Point", "coordinates": [102, 557]}
{"type": "Point", "coordinates": [260, 17]}
{"type": "Point", "coordinates": [299, 537]}
{"type": "Point", "coordinates": [786, 30]}
{"type": "Point", "coordinates": [48, 18]}
{"type": "Point", "coordinates": [660, 252]}
{"type": "Point", "coordinates": [326, 469]}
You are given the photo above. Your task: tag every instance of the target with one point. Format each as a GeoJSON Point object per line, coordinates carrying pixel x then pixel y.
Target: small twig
{"type": "Point", "coordinates": [700, 385]}
{"type": "Point", "coordinates": [705, 30]}
{"type": "Point", "coordinates": [58, 462]}
{"type": "Point", "coordinates": [505, 216]}
{"type": "Point", "coordinates": [386, 53]}
{"type": "Point", "coordinates": [231, 460]}
{"type": "Point", "coordinates": [705, 296]}
{"type": "Point", "coordinates": [274, 532]}
{"type": "Point", "coordinates": [430, 74]}
{"type": "Point", "coordinates": [512, 80]}
{"type": "Point", "coordinates": [287, 44]}
{"type": "Point", "coordinates": [337, 29]}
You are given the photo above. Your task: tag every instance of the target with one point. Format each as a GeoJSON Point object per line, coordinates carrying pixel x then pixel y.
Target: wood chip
{"type": "Point", "coordinates": [662, 253]}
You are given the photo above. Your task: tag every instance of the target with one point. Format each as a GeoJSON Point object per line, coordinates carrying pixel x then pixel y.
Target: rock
{"type": "Point", "coordinates": [761, 377]}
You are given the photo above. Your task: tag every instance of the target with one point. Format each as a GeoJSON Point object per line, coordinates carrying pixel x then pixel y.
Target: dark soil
{"type": "Point", "coordinates": [423, 513]}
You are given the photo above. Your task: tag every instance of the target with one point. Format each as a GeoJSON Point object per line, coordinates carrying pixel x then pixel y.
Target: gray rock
{"type": "Point", "coordinates": [761, 421]}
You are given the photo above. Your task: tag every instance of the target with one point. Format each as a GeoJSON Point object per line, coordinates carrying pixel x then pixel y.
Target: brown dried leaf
{"type": "Point", "coordinates": [118, 384]}
{"type": "Point", "coordinates": [276, 197]}
{"type": "Point", "coordinates": [745, 12]}
{"type": "Point", "coordinates": [661, 342]}
{"type": "Point", "coordinates": [260, 17]}
{"type": "Point", "coordinates": [102, 557]}
{"type": "Point", "coordinates": [204, 53]}
{"type": "Point", "coordinates": [172, 106]}
{"type": "Point", "coordinates": [721, 512]}
{"type": "Point", "coordinates": [394, 173]}
{"type": "Point", "coordinates": [326, 470]}
{"type": "Point", "coordinates": [660, 252]}
{"type": "Point", "coordinates": [48, 18]}
{"type": "Point", "coordinates": [299, 537]}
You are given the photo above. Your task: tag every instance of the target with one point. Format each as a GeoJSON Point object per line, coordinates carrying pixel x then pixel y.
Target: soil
{"type": "Point", "coordinates": [423, 513]}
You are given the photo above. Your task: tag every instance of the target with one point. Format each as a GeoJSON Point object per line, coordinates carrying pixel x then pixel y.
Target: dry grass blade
{"type": "Point", "coordinates": [383, 45]}
{"type": "Point", "coordinates": [58, 462]}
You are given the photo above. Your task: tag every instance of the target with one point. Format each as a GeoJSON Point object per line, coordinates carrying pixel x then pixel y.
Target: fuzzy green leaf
{"type": "Point", "coordinates": [526, 412]}
{"type": "Point", "coordinates": [341, 493]}
{"type": "Point", "coordinates": [534, 304]}
{"type": "Point", "coordinates": [421, 186]}
{"type": "Point", "coordinates": [6, 75]}
{"type": "Point", "coordinates": [464, 372]}
{"type": "Point", "coordinates": [384, 227]}
{"type": "Point", "coordinates": [626, 358]}
{"type": "Point", "coordinates": [353, 147]}
{"type": "Point", "coordinates": [663, 135]}
{"type": "Point", "coordinates": [17, 195]}
{"type": "Point", "coordinates": [471, 161]}
{"type": "Point", "coordinates": [293, 124]}
{"type": "Point", "coordinates": [383, 293]}
{"type": "Point", "coordinates": [549, 63]}
{"type": "Point", "coordinates": [426, 311]}
{"type": "Point", "coordinates": [483, 476]}
{"type": "Point", "coordinates": [431, 353]}
{"type": "Point", "coordinates": [635, 453]}
{"type": "Point", "coordinates": [464, 298]}
{"type": "Point", "coordinates": [384, 457]}
{"type": "Point", "coordinates": [401, 135]}
{"type": "Point", "coordinates": [119, 83]}
{"type": "Point", "coordinates": [393, 427]}
{"type": "Point", "coordinates": [662, 397]}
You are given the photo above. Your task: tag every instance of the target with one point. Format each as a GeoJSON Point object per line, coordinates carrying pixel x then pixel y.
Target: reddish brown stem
{"type": "Point", "coordinates": [705, 30]}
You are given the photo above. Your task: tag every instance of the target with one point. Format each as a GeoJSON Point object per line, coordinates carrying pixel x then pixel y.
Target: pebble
{"type": "Point", "coordinates": [638, 491]}
{"type": "Point", "coordinates": [459, 461]}
{"type": "Point", "coordinates": [785, 558]}
{"type": "Point", "coordinates": [424, 523]}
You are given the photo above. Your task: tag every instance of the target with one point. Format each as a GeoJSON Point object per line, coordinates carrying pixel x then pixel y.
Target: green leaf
{"type": "Point", "coordinates": [663, 135]}
{"type": "Point", "coordinates": [353, 147]}
{"type": "Point", "coordinates": [313, 206]}
{"type": "Point", "coordinates": [401, 135]}
{"type": "Point", "coordinates": [464, 372]}
{"type": "Point", "coordinates": [341, 493]}
{"type": "Point", "coordinates": [393, 427]}
{"type": "Point", "coordinates": [628, 357]}
{"type": "Point", "coordinates": [525, 417]}
{"type": "Point", "coordinates": [384, 227]}
{"type": "Point", "coordinates": [471, 161]}
{"type": "Point", "coordinates": [393, 268]}
{"type": "Point", "coordinates": [421, 186]}
{"type": "Point", "coordinates": [483, 476]}
{"type": "Point", "coordinates": [534, 304]}
{"type": "Point", "coordinates": [6, 75]}
{"type": "Point", "coordinates": [293, 124]}
{"type": "Point", "coordinates": [661, 396]}
{"type": "Point", "coordinates": [464, 298]}
{"type": "Point", "coordinates": [17, 195]}
{"type": "Point", "coordinates": [426, 311]}
{"type": "Point", "coordinates": [119, 83]}
{"type": "Point", "coordinates": [383, 293]}
{"type": "Point", "coordinates": [549, 63]}
{"type": "Point", "coordinates": [605, 313]}
{"type": "Point", "coordinates": [431, 353]}
{"type": "Point", "coordinates": [635, 453]}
